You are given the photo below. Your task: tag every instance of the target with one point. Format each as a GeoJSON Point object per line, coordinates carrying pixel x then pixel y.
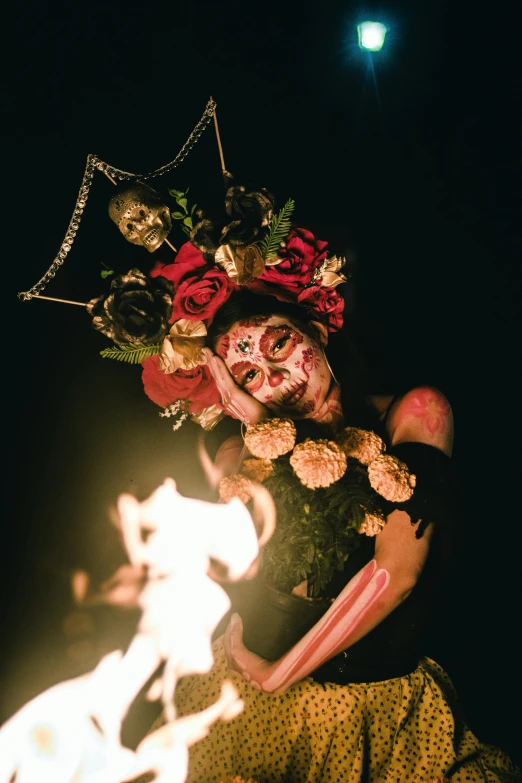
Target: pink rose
{"type": "Point", "coordinates": [326, 303]}
{"type": "Point", "coordinates": [197, 297]}
{"type": "Point", "coordinates": [196, 385]}
{"type": "Point", "coordinates": [302, 255]}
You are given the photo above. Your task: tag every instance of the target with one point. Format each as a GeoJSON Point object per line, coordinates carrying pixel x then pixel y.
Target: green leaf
{"type": "Point", "coordinates": [176, 193]}
{"type": "Point", "coordinates": [279, 228]}
{"type": "Point", "coordinates": [193, 209]}
{"type": "Point", "coordinates": [178, 215]}
{"type": "Point", "coordinates": [187, 222]}
{"type": "Point", "coordinates": [132, 354]}
{"type": "Point", "coordinates": [106, 273]}
{"type": "Point", "coordinates": [315, 542]}
{"type": "Point", "coordinates": [182, 202]}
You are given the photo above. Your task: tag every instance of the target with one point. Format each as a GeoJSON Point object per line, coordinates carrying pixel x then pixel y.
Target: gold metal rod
{"type": "Point", "coordinates": [223, 168]}
{"type": "Point", "coordinates": [54, 299]}
{"type": "Point", "coordinates": [170, 245]}
{"type": "Point", "coordinates": [109, 177]}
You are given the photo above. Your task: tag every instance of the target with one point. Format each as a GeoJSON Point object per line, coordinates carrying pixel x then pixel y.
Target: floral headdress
{"type": "Point", "coordinates": [160, 318]}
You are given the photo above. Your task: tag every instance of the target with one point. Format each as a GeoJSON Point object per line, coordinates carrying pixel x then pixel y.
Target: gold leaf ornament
{"type": "Point", "coordinates": [208, 417]}
{"type": "Point", "coordinates": [242, 264]}
{"type": "Point", "coordinates": [328, 272]}
{"type": "Point", "coordinates": [183, 346]}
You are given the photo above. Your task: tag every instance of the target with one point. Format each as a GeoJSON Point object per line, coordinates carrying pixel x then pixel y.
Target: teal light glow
{"type": "Point", "coordinates": [371, 35]}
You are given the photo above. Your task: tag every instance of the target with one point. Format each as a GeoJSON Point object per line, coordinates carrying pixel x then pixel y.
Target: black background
{"type": "Point", "coordinates": [408, 160]}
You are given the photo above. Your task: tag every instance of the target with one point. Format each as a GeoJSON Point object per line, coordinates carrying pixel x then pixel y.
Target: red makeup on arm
{"type": "Point", "coordinates": [422, 415]}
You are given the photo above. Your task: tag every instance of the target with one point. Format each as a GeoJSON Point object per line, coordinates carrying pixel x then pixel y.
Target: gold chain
{"type": "Point", "coordinates": [94, 163]}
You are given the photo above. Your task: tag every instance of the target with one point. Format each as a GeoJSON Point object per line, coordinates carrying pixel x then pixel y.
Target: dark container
{"type": "Point", "coordinates": [273, 621]}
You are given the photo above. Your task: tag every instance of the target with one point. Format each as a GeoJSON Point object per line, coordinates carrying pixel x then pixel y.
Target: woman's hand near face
{"type": "Point", "coordinates": [235, 401]}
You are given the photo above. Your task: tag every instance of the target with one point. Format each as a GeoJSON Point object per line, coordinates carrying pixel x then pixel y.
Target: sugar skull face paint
{"type": "Point", "coordinates": [277, 363]}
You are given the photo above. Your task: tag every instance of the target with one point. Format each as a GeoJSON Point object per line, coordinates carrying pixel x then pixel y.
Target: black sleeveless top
{"type": "Point", "coordinates": [393, 648]}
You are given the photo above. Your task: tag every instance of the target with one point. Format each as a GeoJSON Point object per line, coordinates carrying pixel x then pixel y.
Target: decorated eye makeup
{"type": "Point", "coordinates": [248, 376]}
{"type": "Point", "coordinates": [279, 342]}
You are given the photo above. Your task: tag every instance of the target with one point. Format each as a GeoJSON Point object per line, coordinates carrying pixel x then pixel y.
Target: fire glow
{"type": "Point", "coordinates": [71, 733]}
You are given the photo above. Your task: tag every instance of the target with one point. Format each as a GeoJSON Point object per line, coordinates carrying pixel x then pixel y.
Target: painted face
{"type": "Point", "coordinates": [277, 363]}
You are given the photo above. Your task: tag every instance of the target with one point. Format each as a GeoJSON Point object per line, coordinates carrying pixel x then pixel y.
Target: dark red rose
{"type": "Point", "coordinates": [197, 297]}
{"type": "Point", "coordinates": [302, 255]}
{"type": "Point", "coordinates": [200, 288]}
{"type": "Point", "coordinates": [196, 385]}
{"type": "Point", "coordinates": [188, 261]}
{"type": "Point", "coordinates": [284, 294]}
{"type": "Point", "coordinates": [324, 303]}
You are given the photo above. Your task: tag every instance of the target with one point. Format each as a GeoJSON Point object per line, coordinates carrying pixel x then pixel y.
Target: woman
{"type": "Point", "coordinates": [354, 699]}
{"type": "Point", "coordinates": [250, 318]}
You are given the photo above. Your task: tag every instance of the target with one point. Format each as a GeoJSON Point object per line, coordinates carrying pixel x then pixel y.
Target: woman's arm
{"type": "Point", "coordinates": [229, 455]}
{"type": "Point", "coordinates": [373, 593]}
{"type": "Point", "coordinates": [422, 415]}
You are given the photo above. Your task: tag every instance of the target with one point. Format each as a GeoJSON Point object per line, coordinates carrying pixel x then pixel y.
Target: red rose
{"type": "Point", "coordinates": [326, 303]}
{"type": "Point", "coordinates": [188, 260]}
{"type": "Point", "coordinates": [199, 288]}
{"type": "Point", "coordinates": [197, 297]}
{"type": "Point", "coordinates": [302, 255]}
{"type": "Point", "coordinates": [196, 385]}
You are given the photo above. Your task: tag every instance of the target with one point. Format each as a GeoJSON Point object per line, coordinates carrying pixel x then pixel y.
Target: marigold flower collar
{"type": "Point", "coordinates": [328, 494]}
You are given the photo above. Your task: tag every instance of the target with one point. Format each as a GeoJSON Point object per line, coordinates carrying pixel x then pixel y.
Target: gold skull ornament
{"type": "Point", "coordinates": [141, 216]}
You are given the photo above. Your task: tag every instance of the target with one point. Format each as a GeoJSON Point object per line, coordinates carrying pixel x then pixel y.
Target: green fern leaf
{"type": "Point", "coordinates": [132, 354]}
{"type": "Point", "coordinates": [279, 227]}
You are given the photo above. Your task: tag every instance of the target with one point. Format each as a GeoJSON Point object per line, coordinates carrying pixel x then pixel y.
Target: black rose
{"type": "Point", "coordinates": [250, 212]}
{"type": "Point", "coordinates": [136, 310]}
{"type": "Point", "coordinates": [205, 236]}
{"type": "Point", "coordinates": [241, 203]}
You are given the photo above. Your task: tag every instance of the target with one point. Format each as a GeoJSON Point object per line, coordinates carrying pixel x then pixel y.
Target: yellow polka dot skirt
{"type": "Point", "coordinates": [404, 730]}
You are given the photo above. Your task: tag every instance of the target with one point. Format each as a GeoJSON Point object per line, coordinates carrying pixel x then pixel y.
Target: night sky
{"type": "Point", "coordinates": [408, 161]}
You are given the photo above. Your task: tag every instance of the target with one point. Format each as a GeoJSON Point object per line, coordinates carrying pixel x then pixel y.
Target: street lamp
{"type": "Point", "coordinates": [371, 35]}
